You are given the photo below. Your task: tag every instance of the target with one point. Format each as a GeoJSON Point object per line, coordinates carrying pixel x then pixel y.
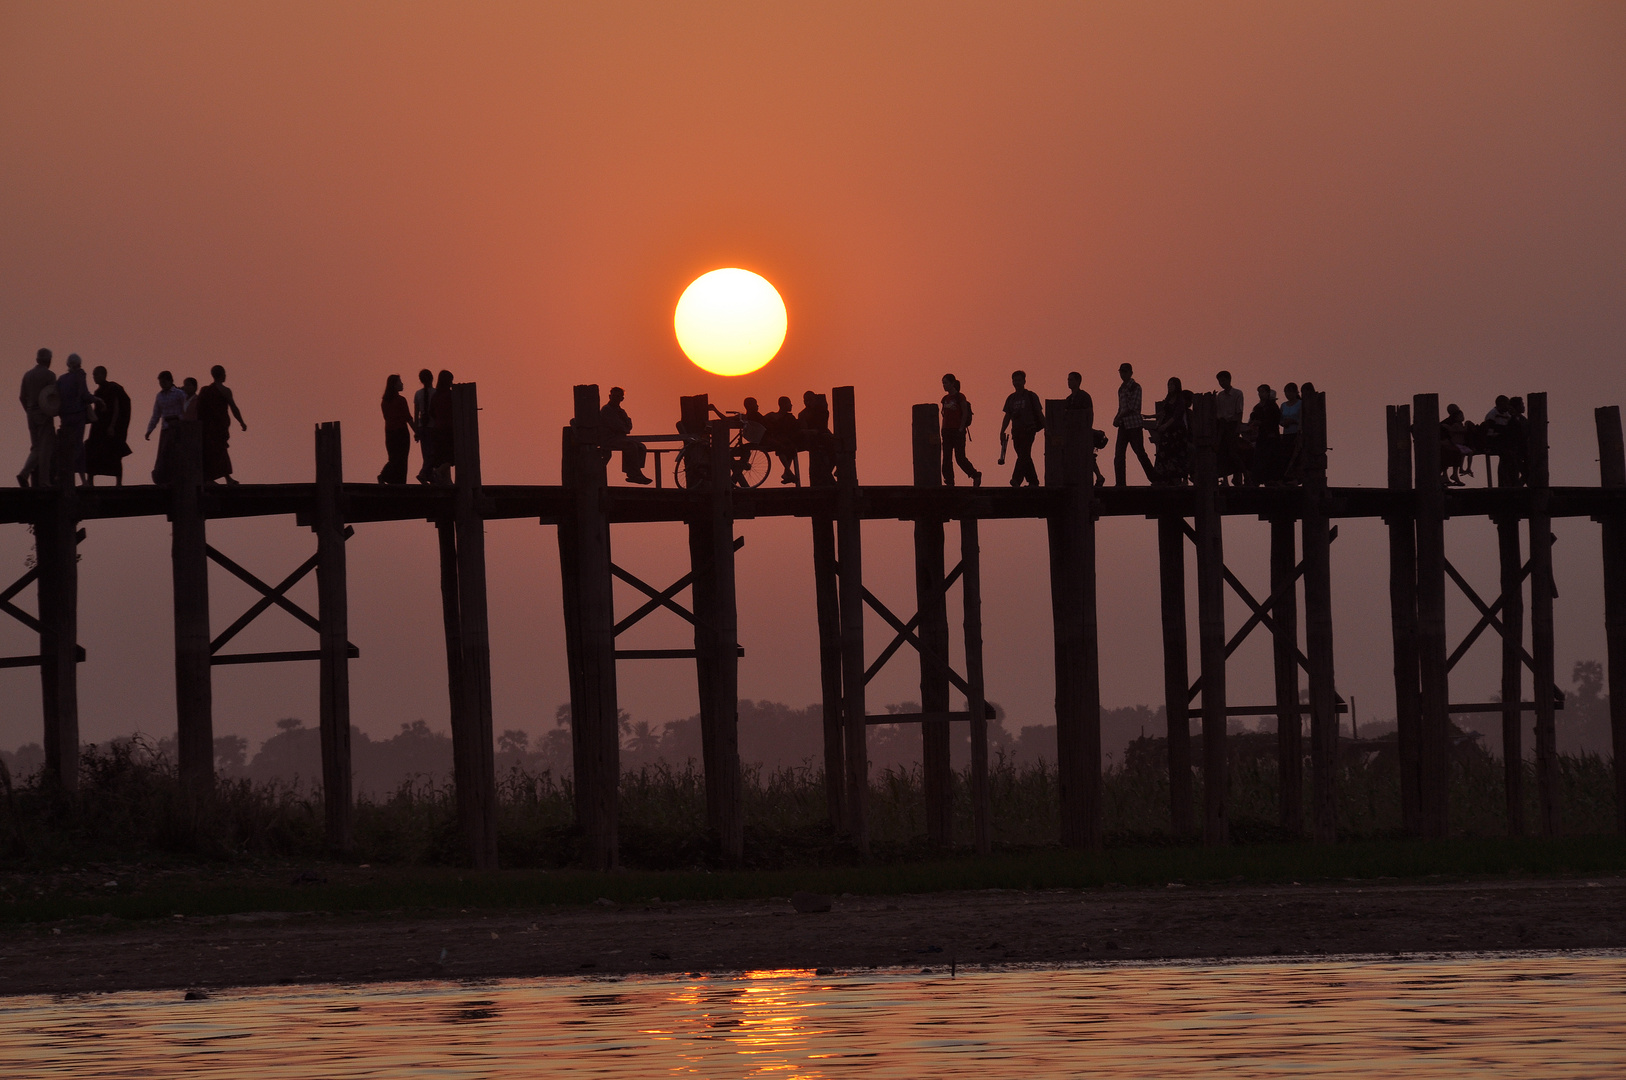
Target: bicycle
{"type": "Point", "coordinates": [751, 465]}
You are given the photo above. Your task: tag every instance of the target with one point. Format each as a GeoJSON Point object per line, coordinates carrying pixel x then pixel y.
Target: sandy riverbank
{"type": "Point", "coordinates": [966, 928]}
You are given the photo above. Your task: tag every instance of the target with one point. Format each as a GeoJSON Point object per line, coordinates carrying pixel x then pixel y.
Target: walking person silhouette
{"type": "Point", "coordinates": [1024, 419]}
{"type": "Point", "coordinates": [1129, 423]}
{"type": "Point", "coordinates": [956, 413]}
{"type": "Point", "coordinates": [108, 444]}
{"type": "Point", "coordinates": [40, 408]}
{"type": "Point", "coordinates": [399, 429]}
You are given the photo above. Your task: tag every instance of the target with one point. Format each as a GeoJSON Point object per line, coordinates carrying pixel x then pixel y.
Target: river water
{"type": "Point", "coordinates": [1527, 1015]}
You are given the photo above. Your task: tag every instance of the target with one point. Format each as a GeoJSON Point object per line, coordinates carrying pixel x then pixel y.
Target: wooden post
{"type": "Point", "coordinates": [932, 607]}
{"type": "Point", "coordinates": [1069, 457]}
{"type": "Point", "coordinates": [827, 605]}
{"type": "Point", "coordinates": [1612, 470]}
{"type": "Point", "coordinates": [1512, 567]}
{"type": "Point", "coordinates": [716, 639]}
{"type": "Point", "coordinates": [1171, 559]}
{"type": "Point", "coordinates": [1541, 616]}
{"type": "Point", "coordinates": [474, 762]}
{"type": "Point", "coordinates": [1284, 614]}
{"type": "Point", "coordinates": [584, 563]}
{"type": "Point", "coordinates": [1434, 692]}
{"type": "Point", "coordinates": [1318, 619]}
{"type": "Point", "coordinates": [849, 536]}
{"type": "Point", "coordinates": [1403, 619]}
{"type": "Point", "coordinates": [189, 561]}
{"type": "Point", "coordinates": [333, 612]}
{"type": "Point", "coordinates": [56, 557]}
{"type": "Point", "coordinates": [1211, 620]}
{"type": "Point", "coordinates": [976, 701]}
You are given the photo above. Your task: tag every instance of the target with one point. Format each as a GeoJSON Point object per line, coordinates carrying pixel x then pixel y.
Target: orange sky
{"type": "Point", "coordinates": [1385, 199]}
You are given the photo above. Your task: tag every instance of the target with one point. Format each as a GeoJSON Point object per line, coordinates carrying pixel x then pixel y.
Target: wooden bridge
{"type": "Point", "coordinates": [583, 508]}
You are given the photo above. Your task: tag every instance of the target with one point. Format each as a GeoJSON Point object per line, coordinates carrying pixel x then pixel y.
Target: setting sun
{"type": "Point", "coordinates": [730, 321]}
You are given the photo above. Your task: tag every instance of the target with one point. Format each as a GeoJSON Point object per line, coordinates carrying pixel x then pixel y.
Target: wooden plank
{"type": "Point", "coordinates": [1403, 618]}
{"type": "Point", "coordinates": [189, 562]}
{"type": "Point", "coordinates": [1171, 551]}
{"type": "Point", "coordinates": [932, 612]}
{"type": "Point", "coordinates": [1512, 635]}
{"type": "Point", "coordinates": [849, 539]}
{"type": "Point", "coordinates": [943, 717]}
{"type": "Point", "coordinates": [1541, 615]}
{"type": "Point", "coordinates": [1318, 639]}
{"type": "Point", "coordinates": [976, 703]}
{"type": "Point", "coordinates": [1284, 652]}
{"type": "Point", "coordinates": [1210, 621]}
{"type": "Point", "coordinates": [1612, 475]}
{"type": "Point", "coordinates": [333, 608]}
{"type": "Point", "coordinates": [1433, 744]}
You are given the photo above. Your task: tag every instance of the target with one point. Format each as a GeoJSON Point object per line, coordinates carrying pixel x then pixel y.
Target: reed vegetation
{"type": "Point", "coordinates": [130, 804]}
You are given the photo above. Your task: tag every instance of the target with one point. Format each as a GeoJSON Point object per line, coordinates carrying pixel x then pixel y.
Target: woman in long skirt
{"type": "Point", "coordinates": [398, 430]}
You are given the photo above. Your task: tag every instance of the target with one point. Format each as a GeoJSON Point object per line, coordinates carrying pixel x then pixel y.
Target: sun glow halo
{"type": "Point", "coordinates": [730, 321]}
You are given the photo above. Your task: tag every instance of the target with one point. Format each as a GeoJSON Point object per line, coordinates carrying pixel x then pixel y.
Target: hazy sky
{"type": "Point", "coordinates": [1385, 199]}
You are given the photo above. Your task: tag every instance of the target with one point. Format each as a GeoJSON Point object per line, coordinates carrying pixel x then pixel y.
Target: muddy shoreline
{"type": "Point", "coordinates": [967, 929]}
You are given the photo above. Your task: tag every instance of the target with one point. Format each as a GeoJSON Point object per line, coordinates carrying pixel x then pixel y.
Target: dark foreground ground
{"type": "Point", "coordinates": [968, 928]}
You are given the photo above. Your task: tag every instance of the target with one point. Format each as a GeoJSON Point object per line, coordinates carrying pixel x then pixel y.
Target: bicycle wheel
{"type": "Point", "coordinates": [752, 467]}
{"type": "Point", "coordinates": [680, 470]}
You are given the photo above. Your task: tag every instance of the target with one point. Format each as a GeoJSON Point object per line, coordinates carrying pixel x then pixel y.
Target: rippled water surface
{"type": "Point", "coordinates": [1527, 1015]}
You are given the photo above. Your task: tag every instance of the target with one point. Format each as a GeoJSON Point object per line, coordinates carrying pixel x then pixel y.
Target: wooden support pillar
{"type": "Point", "coordinates": [194, 719]}
{"type": "Point", "coordinates": [473, 754]}
{"type": "Point", "coordinates": [1284, 614]}
{"type": "Point", "coordinates": [1318, 619]}
{"type": "Point", "coordinates": [1434, 692]}
{"type": "Point", "coordinates": [56, 557]}
{"type": "Point", "coordinates": [932, 607]}
{"type": "Point", "coordinates": [976, 701]}
{"type": "Point", "coordinates": [849, 537]}
{"type": "Point", "coordinates": [589, 609]}
{"type": "Point", "coordinates": [1211, 620]}
{"type": "Point", "coordinates": [827, 605]}
{"type": "Point", "coordinates": [1069, 466]}
{"type": "Point", "coordinates": [1403, 619]}
{"type": "Point", "coordinates": [1541, 616]}
{"type": "Point", "coordinates": [716, 644]}
{"type": "Point", "coordinates": [1512, 567]}
{"type": "Point", "coordinates": [333, 612]}
{"type": "Point", "coordinates": [1171, 560]}
{"type": "Point", "coordinates": [1612, 470]}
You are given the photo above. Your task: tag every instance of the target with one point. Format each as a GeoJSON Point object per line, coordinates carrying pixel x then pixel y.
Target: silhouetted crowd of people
{"type": "Point", "coordinates": [1504, 434]}
{"type": "Point", "coordinates": [427, 421]}
{"type": "Point", "coordinates": [77, 434]}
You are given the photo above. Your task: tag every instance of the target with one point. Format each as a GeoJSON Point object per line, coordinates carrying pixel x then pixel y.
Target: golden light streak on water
{"type": "Point", "coordinates": [1548, 1015]}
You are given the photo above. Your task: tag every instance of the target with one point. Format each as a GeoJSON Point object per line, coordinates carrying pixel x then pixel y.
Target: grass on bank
{"type": "Point", "coordinates": [236, 851]}
{"type": "Point", "coordinates": [347, 889]}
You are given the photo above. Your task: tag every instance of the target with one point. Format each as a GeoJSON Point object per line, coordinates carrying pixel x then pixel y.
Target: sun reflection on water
{"type": "Point", "coordinates": [1548, 1015]}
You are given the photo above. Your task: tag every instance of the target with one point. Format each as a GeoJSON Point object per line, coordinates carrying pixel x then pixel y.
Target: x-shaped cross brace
{"type": "Point", "coordinates": [1261, 612]}
{"type": "Point", "coordinates": [269, 595]}
{"type": "Point", "coordinates": [660, 598]}
{"type": "Point", "coordinates": [1487, 617]}
{"type": "Point", "coordinates": [906, 633]}
{"type": "Point", "coordinates": [25, 618]}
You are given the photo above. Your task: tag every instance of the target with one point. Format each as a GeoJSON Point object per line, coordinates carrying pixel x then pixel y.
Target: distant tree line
{"type": "Point", "coordinates": [772, 735]}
